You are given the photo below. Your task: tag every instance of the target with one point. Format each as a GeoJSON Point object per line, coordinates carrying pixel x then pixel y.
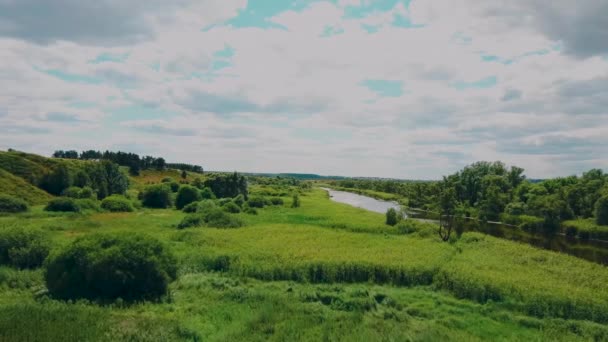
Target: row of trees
{"type": "Point", "coordinates": [131, 160]}
{"type": "Point", "coordinates": [490, 191]}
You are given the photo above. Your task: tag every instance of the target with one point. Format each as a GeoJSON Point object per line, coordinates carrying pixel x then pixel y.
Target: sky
{"type": "Point", "coordinates": [411, 89]}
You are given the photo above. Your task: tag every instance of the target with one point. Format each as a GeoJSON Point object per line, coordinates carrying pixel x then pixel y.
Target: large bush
{"type": "Point", "coordinates": [10, 204]}
{"type": "Point", "coordinates": [276, 201]}
{"type": "Point", "coordinates": [117, 203]}
{"type": "Point", "coordinates": [207, 193]}
{"type": "Point", "coordinates": [186, 195]}
{"type": "Point", "coordinates": [76, 192]}
{"type": "Point", "coordinates": [231, 207]}
{"type": "Point", "coordinates": [257, 202]}
{"type": "Point", "coordinates": [23, 248]}
{"type": "Point", "coordinates": [157, 196]}
{"type": "Point", "coordinates": [62, 204]}
{"type": "Point", "coordinates": [107, 267]}
{"type": "Point", "coordinates": [391, 217]}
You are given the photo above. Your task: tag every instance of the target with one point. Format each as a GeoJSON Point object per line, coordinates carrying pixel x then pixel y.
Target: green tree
{"type": "Point", "coordinates": [184, 174]}
{"type": "Point", "coordinates": [447, 208]}
{"type": "Point", "coordinates": [295, 202]}
{"type": "Point", "coordinates": [157, 196]}
{"type": "Point", "coordinates": [391, 217]}
{"type": "Point", "coordinates": [186, 195]}
{"type": "Point", "coordinates": [57, 180]}
{"type": "Point", "coordinates": [601, 210]}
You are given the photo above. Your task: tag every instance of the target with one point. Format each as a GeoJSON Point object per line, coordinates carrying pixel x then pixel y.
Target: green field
{"type": "Point", "coordinates": [324, 271]}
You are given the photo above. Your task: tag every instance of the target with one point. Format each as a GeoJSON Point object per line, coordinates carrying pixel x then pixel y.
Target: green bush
{"type": "Point", "coordinates": [167, 180]}
{"type": "Point", "coordinates": [213, 217]}
{"type": "Point", "coordinates": [88, 204]}
{"type": "Point", "coordinates": [174, 186]}
{"type": "Point", "coordinates": [531, 224]}
{"type": "Point", "coordinates": [207, 193]}
{"type": "Point", "coordinates": [186, 195]}
{"type": "Point", "coordinates": [239, 200]}
{"type": "Point", "coordinates": [257, 202]}
{"type": "Point", "coordinates": [231, 207]}
{"type": "Point", "coordinates": [157, 196]}
{"type": "Point", "coordinates": [191, 208]}
{"type": "Point", "coordinates": [250, 211]}
{"type": "Point", "coordinates": [72, 192]}
{"type": "Point", "coordinates": [62, 204]}
{"type": "Point", "coordinates": [106, 267]}
{"type": "Point", "coordinates": [87, 192]}
{"type": "Point", "coordinates": [391, 217]}
{"type": "Point", "coordinates": [295, 202]}
{"type": "Point", "coordinates": [10, 204]}
{"type": "Point", "coordinates": [276, 201]}
{"type": "Point", "coordinates": [116, 203]}
{"type": "Point", "coordinates": [23, 248]}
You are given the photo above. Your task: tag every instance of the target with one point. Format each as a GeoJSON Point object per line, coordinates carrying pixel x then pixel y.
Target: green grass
{"type": "Point", "coordinates": [585, 229]}
{"type": "Point", "coordinates": [17, 187]}
{"type": "Point", "coordinates": [324, 271]}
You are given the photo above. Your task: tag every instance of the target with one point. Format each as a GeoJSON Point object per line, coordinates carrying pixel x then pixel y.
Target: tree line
{"type": "Point", "coordinates": [133, 161]}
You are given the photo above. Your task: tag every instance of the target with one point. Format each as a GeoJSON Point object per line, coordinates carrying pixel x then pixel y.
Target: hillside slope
{"type": "Point", "coordinates": [17, 187]}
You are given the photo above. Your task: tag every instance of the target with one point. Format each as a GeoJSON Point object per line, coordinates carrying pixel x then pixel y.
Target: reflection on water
{"type": "Point", "coordinates": [360, 201]}
{"type": "Point", "coordinates": [593, 250]}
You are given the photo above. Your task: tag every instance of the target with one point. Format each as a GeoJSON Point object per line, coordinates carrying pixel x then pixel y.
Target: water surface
{"type": "Point", "coordinates": [361, 201]}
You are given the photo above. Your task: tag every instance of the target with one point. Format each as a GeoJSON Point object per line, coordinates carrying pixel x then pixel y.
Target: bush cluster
{"type": "Point", "coordinates": [231, 207]}
{"type": "Point", "coordinates": [107, 267]}
{"type": "Point", "coordinates": [257, 202]}
{"type": "Point", "coordinates": [157, 196]}
{"type": "Point", "coordinates": [210, 217]}
{"type": "Point", "coordinates": [276, 201]}
{"type": "Point", "coordinates": [63, 204]}
{"type": "Point", "coordinates": [10, 204]}
{"type": "Point", "coordinates": [186, 195]}
{"type": "Point", "coordinates": [116, 203]}
{"type": "Point", "coordinates": [23, 248]}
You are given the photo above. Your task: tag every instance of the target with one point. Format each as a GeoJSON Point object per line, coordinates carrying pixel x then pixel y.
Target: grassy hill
{"type": "Point", "coordinates": [18, 187]}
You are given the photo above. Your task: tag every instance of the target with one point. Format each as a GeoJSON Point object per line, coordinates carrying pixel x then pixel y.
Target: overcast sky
{"type": "Point", "coordinates": [389, 88]}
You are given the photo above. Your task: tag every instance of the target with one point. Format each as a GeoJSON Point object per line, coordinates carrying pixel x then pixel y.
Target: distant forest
{"type": "Point", "coordinates": [131, 160]}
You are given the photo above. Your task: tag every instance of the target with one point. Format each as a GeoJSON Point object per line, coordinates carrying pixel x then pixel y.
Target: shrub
{"type": "Point", "coordinates": [601, 211]}
{"type": "Point", "coordinates": [186, 195]}
{"type": "Point", "coordinates": [117, 203]}
{"type": "Point", "coordinates": [10, 204]}
{"type": "Point", "coordinates": [250, 211]}
{"type": "Point", "coordinates": [239, 200]}
{"type": "Point", "coordinates": [531, 224]}
{"type": "Point", "coordinates": [295, 202]}
{"type": "Point", "coordinates": [276, 201]}
{"type": "Point", "coordinates": [167, 180]}
{"type": "Point", "coordinates": [88, 204]}
{"type": "Point", "coordinates": [23, 248]}
{"type": "Point", "coordinates": [214, 217]}
{"type": "Point", "coordinates": [191, 208]}
{"type": "Point", "coordinates": [107, 267]}
{"type": "Point", "coordinates": [174, 186]}
{"type": "Point", "coordinates": [391, 217]}
{"type": "Point", "coordinates": [231, 207]}
{"type": "Point", "coordinates": [72, 192]}
{"type": "Point", "coordinates": [87, 192]}
{"type": "Point", "coordinates": [62, 204]}
{"type": "Point", "coordinates": [157, 196]}
{"type": "Point", "coordinates": [206, 193]}
{"type": "Point", "coordinates": [257, 202]}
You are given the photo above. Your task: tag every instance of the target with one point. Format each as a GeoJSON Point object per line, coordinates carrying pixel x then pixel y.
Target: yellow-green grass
{"type": "Point", "coordinates": [147, 177]}
{"type": "Point", "coordinates": [17, 187]}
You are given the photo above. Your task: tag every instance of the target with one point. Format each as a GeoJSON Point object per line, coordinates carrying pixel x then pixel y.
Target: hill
{"type": "Point", "coordinates": [18, 187]}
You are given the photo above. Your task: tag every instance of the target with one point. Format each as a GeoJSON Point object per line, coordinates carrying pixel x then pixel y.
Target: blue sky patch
{"type": "Point", "coordinates": [258, 13]}
{"type": "Point", "coordinates": [109, 57]}
{"type": "Point", "coordinates": [385, 88]}
{"type": "Point", "coordinates": [72, 78]}
{"type": "Point", "coordinates": [226, 52]}
{"type": "Point", "coordinates": [331, 31]}
{"type": "Point", "coordinates": [369, 7]}
{"type": "Point", "coordinates": [400, 20]}
{"type": "Point", "coordinates": [371, 28]}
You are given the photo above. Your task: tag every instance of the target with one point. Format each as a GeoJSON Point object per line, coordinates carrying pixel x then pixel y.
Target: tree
{"type": "Point", "coordinates": [601, 210]}
{"type": "Point", "coordinates": [295, 202]}
{"type": "Point", "coordinates": [134, 169]}
{"type": "Point", "coordinates": [58, 180]}
{"type": "Point", "coordinates": [391, 217]}
{"type": "Point", "coordinates": [157, 196]}
{"type": "Point", "coordinates": [447, 209]}
{"type": "Point", "coordinates": [186, 195]}
{"type": "Point", "coordinates": [184, 174]}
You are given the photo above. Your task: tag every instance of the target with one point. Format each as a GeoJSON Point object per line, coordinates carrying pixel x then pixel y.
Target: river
{"type": "Point", "coordinates": [592, 250]}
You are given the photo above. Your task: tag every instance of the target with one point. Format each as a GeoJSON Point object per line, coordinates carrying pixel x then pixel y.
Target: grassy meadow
{"type": "Point", "coordinates": [323, 271]}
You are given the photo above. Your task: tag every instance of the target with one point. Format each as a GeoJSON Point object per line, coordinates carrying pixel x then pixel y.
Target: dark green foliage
{"type": "Point", "coordinates": [257, 202]}
{"type": "Point", "coordinates": [134, 169]}
{"type": "Point", "coordinates": [391, 217]}
{"type": "Point", "coordinates": [72, 192]}
{"type": "Point", "coordinates": [227, 185]}
{"type": "Point", "coordinates": [184, 174]}
{"type": "Point", "coordinates": [239, 200]}
{"type": "Point", "coordinates": [295, 201]}
{"type": "Point", "coordinates": [106, 267]}
{"type": "Point", "coordinates": [167, 180]}
{"type": "Point", "coordinates": [186, 195]}
{"type": "Point", "coordinates": [516, 208]}
{"type": "Point", "coordinates": [250, 211]}
{"type": "Point", "coordinates": [62, 204]}
{"type": "Point", "coordinates": [276, 201]}
{"type": "Point", "coordinates": [10, 204]}
{"type": "Point", "coordinates": [601, 211]}
{"type": "Point", "coordinates": [23, 248]}
{"type": "Point", "coordinates": [231, 207]}
{"type": "Point", "coordinates": [57, 180]}
{"type": "Point", "coordinates": [174, 186]}
{"type": "Point", "coordinates": [157, 196]}
{"type": "Point", "coordinates": [81, 179]}
{"type": "Point", "coordinates": [190, 221]}
{"type": "Point", "coordinates": [87, 192]}
{"type": "Point", "coordinates": [206, 193]}
{"type": "Point", "coordinates": [116, 203]}
{"type": "Point", "coordinates": [107, 178]}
